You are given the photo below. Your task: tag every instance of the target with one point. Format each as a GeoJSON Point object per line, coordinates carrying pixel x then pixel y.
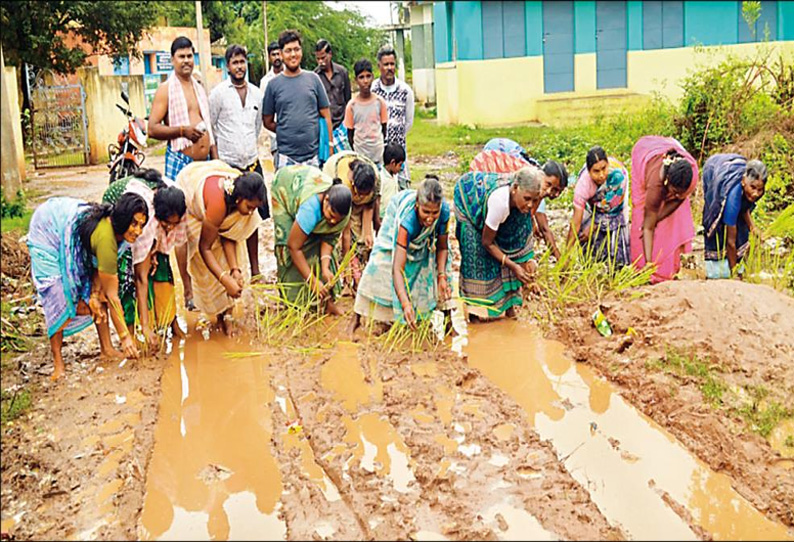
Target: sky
{"type": "Point", "coordinates": [379, 11]}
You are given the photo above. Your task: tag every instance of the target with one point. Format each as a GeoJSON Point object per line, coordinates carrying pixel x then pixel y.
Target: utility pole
{"type": "Point", "coordinates": [264, 24]}
{"type": "Point", "coordinates": [203, 55]}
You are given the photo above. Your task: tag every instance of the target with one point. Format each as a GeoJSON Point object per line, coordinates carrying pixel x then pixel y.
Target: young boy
{"type": "Point", "coordinates": [393, 158]}
{"type": "Point", "coordinates": [366, 116]}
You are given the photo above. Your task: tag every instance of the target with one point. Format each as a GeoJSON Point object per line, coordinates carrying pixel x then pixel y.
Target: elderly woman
{"type": "Point", "coordinates": [310, 211]}
{"type": "Point", "coordinates": [74, 247]}
{"type": "Point", "coordinates": [555, 180]}
{"type": "Point", "coordinates": [407, 276]}
{"type": "Point", "coordinates": [731, 188]}
{"type": "Point", "coordinates": [148, 255]}
{"type": "Point", "coordinates": [494, 230]}
{"type": "Point", "coordinates": [360, 175]}
{"type": "Point", "coordinates": [600, 208]}
{"type": "Point", "coordinates": [221, 206]}
{"type": "Point", "coordinates": [663, 176]}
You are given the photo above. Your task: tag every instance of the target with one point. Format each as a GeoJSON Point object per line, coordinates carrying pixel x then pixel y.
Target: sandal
{"type": "Point", "coordinates": [189, 305]}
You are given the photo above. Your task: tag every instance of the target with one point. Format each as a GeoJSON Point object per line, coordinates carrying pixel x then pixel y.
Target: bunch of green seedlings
{"type": "Point", "coordinates": [279, 320]}
{"type": "Point", "coordinates": [577, 276]}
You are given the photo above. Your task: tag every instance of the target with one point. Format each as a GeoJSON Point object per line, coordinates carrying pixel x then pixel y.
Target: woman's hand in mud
{"type": "Point", "coordinates": [408, 314]}
{"type": "Point", "coordinates": [444, 290]}
{"type": "Point", "coordinates": [232, 287]}
{"type": "Point", "coordinates": [531, 267]}
{"type": "Point", "coordinates": [151, 337]}
{"type": "Point", "coordinates": [521, 273]}
{"type": "Point", "coordinates": [128, 347]}
{"type": "Point", "coordinates": [238, 276]}
{"type": "Point", "coordinates": [584, 236]}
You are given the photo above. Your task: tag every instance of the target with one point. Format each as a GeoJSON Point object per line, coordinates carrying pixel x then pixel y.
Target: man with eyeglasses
{"type": "Point", "coordinates": [292, 106]}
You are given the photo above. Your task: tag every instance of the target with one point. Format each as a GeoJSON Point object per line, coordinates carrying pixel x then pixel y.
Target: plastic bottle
{"type": "Point", "coordinates": [601, 323]}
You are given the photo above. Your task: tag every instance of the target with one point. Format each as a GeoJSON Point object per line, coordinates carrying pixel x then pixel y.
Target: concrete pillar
{"type": "Point", "coordinates": [9, 167]}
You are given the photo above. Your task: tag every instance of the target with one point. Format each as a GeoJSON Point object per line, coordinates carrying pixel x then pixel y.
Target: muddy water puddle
{"type": "Point", "coordinates": [212, 475]}
{"type": "Point", "coordinates": [630, 465]}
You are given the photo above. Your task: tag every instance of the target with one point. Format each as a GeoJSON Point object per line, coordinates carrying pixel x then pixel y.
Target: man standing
{"type": "Point", "coordinates": [181, 115]}
{"type": "Point", "coordinates": [236, 123]}
{"type": "Point", "coordinates": [293, 104]}
{"type": "Point", "coordinates": [276, 67]}
{"type": "Point", "coordinates": [336, 81]}
{"type": "Point", "coordinates": [400, 99]}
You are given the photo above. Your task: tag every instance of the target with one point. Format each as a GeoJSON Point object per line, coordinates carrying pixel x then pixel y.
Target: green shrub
{"type": "Point", "coordinates": [13, 208]}
{"type": "Point", "coordinates": [779, 159]}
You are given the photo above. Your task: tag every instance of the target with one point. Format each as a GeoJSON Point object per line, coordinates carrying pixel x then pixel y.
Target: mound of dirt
{"type": "Point", "coordinates": [15, 262]}
{"type": "Point", "coordinates": [742, 338]}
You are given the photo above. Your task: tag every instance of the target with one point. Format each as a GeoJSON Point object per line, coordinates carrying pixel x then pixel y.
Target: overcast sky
{"type": "Point", "coordinates": [378, 11]}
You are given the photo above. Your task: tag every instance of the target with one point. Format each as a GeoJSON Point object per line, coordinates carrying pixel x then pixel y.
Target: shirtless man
{"type": "Point", "coordinates": [180, 115]}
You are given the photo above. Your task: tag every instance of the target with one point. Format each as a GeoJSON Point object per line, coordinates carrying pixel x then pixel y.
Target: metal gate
{"type": "Point", "coordinates": [59, 128]}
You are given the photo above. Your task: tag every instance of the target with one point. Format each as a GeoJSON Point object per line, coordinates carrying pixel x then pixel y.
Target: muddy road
{"type": "Point", "coordinates": [521, 437]}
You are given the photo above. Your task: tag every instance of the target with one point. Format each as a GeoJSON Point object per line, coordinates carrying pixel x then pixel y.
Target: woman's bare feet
{"type": "Point", "coordinates": [332, 309]}
{"type": "Point", "coordinates": [511, 312]}
{"type": "Point", "coordinates": [111, 353]}
{"type": "Point", "coordinates": [58, 372]}
{"type": "Point", "coordinates": [177, 331]}
{"type": "Point", "coordinates": [226, 324]}
{"type": "Point", "coordinates": [353, 326]}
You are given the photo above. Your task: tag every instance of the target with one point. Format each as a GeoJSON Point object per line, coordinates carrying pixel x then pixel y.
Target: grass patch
{"type": "Point", "coordinates": [762, 417]}
{"type": "Point", "coordinates": [17, 223]}
{"type": "Point", "coordinates": [680, 364]}
{"type": "Point", "coordinates": [14, 404]}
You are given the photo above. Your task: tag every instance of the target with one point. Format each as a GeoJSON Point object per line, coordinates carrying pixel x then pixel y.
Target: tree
{"type": "Point", "coordinates": [240, 21]}
{"type": "Point", "coordinates": [60, 34]}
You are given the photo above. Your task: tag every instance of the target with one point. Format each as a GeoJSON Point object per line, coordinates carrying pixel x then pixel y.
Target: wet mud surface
{"type": "Point", "coordinates": [744, 337]}
{"type": "Point", "coordinates": [520, 438]}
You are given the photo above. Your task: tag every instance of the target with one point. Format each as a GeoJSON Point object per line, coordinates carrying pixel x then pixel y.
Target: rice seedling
{"type": "Point", "coordinates": [279, 320]}
{"type": "Point", "coordinates": [577, 276]}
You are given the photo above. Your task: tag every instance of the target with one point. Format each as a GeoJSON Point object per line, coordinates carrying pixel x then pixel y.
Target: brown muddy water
{"type": "Point", "coordinates": [215, 474]}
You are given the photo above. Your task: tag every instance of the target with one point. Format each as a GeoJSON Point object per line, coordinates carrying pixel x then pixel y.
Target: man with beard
{"type": "Point", "coordinates": [293, 104]}
{"type": "Point", "coordinates": [337, 86]}
{"type": "Point", "coordinates": [276, 67]}
{"type": "Point", "coordinates": [181, 115]}
{"type": "Point", "coordinates": [400, 100]}
{"type": "Point", "coordinates": [236, 123]}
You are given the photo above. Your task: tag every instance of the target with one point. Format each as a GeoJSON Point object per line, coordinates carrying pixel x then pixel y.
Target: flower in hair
{"type": "Point", "coordinates": [228, 185]}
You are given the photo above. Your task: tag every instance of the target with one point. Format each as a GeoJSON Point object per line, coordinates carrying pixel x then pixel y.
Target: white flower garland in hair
{"type": "Point", "coordinates": [228, 185]}
{"type": "Point", "coordinates": [670, 160]}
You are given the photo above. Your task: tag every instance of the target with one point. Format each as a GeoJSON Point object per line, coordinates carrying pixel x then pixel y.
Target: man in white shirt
{"type": "Point", "coordinates": [236, 122]}
{"type": "Point", "coordinates": [276, 67]}
{"type": "Point", "coordinates": [400, 100]}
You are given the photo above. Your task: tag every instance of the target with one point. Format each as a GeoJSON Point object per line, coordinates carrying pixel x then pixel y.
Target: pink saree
{"type": "Point", "coordinates": [674, 234]}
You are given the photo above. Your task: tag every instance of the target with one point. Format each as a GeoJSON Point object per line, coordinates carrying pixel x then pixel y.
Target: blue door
{"type": "Point", "coordinates": [611, 46]}
{"type": "Point", "coordinates": [557, 46]}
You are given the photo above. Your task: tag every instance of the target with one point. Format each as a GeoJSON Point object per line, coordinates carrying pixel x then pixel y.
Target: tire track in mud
{"type": "Point", "coordinates": [470, 467]}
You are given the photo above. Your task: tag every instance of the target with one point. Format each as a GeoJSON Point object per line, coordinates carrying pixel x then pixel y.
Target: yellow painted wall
{"type": "Point", "coordinates": [10, 74]}
{"type": "Point", "coordinates": [663, 70]}
{"type": "Point", "coordinates": [447, 93]}
{"type": "Point", "coordinates": [489, 92]}
{"type": "Point", "coordinates": [105, 121]}
{"type": "Point", "coordinates": [506, 91]}
{"type": "Point", "coordinates": [584, 72]}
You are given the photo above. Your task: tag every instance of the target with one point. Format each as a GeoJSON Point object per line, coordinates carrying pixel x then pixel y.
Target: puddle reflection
{"type": "Point", "coordinates": [620, 456]}
{"type": "Point", "coordinates": [212, 475]}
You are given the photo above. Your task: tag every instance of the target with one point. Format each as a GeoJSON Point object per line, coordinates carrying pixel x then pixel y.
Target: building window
{"type": "Point", "coordinates": [662, 25]}
{"type": "Point", "coordinates": [121, 65]}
